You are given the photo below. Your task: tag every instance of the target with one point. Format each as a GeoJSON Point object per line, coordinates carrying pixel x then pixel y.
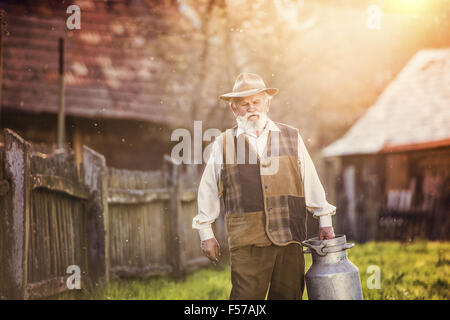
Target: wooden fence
{"type": "Point", "coordinates": [150, 214]}
{"type": "Point", "coordinates": [106, 221]}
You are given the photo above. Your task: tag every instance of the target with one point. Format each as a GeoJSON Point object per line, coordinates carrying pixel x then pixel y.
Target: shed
{"type": "Point", "coordinates": [392, 168]}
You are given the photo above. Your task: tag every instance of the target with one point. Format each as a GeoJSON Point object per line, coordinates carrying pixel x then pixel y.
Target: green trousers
{"type": "Point", "coordinates": [279, 270]}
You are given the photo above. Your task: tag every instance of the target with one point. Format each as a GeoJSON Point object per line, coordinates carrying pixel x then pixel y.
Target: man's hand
{"type": "Point", "coordinates": [326, 233]}
{"type": "Point", "coordinates": [211, 249]}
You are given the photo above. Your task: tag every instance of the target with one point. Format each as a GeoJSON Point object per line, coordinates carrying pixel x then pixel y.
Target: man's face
{"type": "Point", "coordinates": [251, 112]}
{"type": "Point", "coordinates": [250, 104]}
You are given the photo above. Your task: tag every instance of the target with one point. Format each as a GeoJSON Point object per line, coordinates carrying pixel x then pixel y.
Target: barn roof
{"type": "Point", "coordinates": [114, 65]}
{"type": "Point", "coordinates": [413, 112]}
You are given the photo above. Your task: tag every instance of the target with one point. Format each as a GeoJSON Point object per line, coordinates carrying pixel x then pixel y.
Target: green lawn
{"type": "Point", "coordinates": [419, 270]}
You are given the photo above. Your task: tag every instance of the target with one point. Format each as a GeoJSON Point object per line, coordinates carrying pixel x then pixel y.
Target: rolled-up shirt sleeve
{"type": "Point", "coordinates": [208, 196]}
{"type": "Point", "coordinates": [315, 197]}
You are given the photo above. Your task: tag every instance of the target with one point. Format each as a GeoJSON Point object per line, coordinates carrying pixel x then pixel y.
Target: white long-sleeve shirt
{"type": "Point", "coordinates": [208, 198]}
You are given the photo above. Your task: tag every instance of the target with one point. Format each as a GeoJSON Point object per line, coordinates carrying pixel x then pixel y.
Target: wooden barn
{"type": "Point", "coordinates": [122, 82]}
{"type": "Point", "coordinates": [109, 202]}
{"type": "Point", "coordinates": [392, 168]}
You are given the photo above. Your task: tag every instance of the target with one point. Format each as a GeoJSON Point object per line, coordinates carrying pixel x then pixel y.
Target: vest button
{"type": "Point", "coordinates": [266, 186]}
{"type": "Point", "coordinates": [270, 230]}
{"type": "Point", "coordinates": [269, 209]}
{"type": "Point", "coordinates": [264, 166]}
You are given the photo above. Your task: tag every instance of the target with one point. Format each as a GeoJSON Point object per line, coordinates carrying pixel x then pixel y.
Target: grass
{"type": "Point", "coordinates": [417, 270]}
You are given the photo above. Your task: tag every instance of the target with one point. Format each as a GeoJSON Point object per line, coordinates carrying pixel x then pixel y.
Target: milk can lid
{"type": "Point", "coordinates": [322, 247]}
{"type": "Point", "coordinates": [338, 240]}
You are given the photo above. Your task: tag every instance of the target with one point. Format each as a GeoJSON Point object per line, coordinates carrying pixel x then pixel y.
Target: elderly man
{"type": "Point", "coordinates": [266, 180]}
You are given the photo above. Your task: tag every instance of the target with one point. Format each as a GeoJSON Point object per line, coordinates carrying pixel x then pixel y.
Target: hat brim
{"type": "Point", "coordinates": [246, 93]}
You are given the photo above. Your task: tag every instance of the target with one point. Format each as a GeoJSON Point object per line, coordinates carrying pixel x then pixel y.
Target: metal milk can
{"type": "Point", "coordinates": [331, 276]}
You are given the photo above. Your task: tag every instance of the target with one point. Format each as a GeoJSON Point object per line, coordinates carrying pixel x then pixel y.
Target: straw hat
{"type": "Point", "coordinates": [248, 84]}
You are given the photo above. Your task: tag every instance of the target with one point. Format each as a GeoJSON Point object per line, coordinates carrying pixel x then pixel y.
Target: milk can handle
{"type": "Point", "coordinates": [349, 245]}
{"type": "Point", "coordinates": [318, 249]}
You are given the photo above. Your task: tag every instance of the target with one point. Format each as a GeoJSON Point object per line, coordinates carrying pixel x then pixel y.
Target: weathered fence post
{"type": "Point", "coordinates": [14, 218]}
{"type": "Point", "coordinates": [95, 177]}
{"type": "Point", "coordinates": [172, 174]}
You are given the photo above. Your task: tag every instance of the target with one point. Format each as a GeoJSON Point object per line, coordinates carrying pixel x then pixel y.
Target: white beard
{"type": "Point", "coordinates": [250, 126]}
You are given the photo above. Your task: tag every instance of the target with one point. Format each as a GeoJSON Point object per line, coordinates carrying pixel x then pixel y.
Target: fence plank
{"type": "Point", "coordinates": [95, 177]}
{"type": "Point", "coordinates": [136, 196]}
{"type": "Point", "coordinates": [173, 184]}
{"type": "Point", "coordinates": [50, 287]}
{"type": "Point", "coordinates": [16, 215]}
{"type": "Point", "coordinates": [60, 184]}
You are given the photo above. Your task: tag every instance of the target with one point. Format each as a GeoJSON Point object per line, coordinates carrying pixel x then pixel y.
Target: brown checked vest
{"type": "Point", "coordinates": [263, 197]}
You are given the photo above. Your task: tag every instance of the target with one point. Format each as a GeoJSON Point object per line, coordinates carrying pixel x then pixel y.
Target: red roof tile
{"type": "Point", "coordinates": [112, 68]}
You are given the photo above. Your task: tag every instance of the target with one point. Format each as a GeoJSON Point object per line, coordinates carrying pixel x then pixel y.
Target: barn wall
{"type": "Point", "coordinates": [124, 143]}
{"type": "Point", "coordinates": [368, 186]}
{"type": "Point", "coordinates": [432, 171]}
{"type": "Point", "coordinates": [412, 188]}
